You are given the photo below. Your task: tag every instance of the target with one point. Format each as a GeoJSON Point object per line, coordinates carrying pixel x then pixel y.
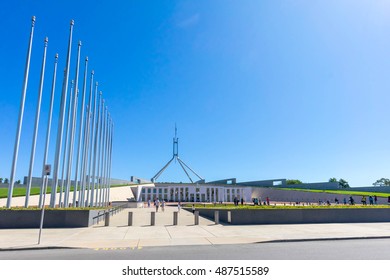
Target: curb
{"type": "Point", "coordinates": [259, 242]}
{"type": "Point", "coordinates": [36, 248]}
{"type": "Point", "coordinates": [323, 239]}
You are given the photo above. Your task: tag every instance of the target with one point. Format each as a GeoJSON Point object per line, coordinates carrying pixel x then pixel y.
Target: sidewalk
{"type": "Point", "coordinates": [141, 234]}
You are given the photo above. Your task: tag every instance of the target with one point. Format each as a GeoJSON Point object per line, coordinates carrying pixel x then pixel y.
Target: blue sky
{"type": "Point", "coordinates": [258, 89]}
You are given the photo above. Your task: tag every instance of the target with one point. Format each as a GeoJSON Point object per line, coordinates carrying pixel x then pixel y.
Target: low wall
{"type": "Point", "coordinates": [52, 219]}
{"type": "Point", "coordinates": [128, 204]}
{"type": "Point", "coordinates": [300, 216]}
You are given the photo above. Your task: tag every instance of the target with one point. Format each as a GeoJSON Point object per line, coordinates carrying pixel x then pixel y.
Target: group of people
{"type": "Point", "coordinates": [373, 200]}
{"type": "Point", "coordinates": [237, 201]}
{"type": "Point", "coordinates": [157, 203]}
{"type": "Point", "coordinates": [257, 201]}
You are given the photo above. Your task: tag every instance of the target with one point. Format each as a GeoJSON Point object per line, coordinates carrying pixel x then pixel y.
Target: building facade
{"type": "Point", "coordinates": [191, 192]}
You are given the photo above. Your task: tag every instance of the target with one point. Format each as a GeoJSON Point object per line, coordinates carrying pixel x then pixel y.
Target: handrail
{"type": "Point", "coordinates": [112, 211]}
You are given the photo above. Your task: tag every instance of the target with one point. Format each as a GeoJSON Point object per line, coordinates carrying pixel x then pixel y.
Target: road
{"type": "Point", "coordinates": [355, 249]}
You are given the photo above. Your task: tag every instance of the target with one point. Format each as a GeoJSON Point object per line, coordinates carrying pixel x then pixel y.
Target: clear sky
{"type": "Point", "coordinates": [258, 89]}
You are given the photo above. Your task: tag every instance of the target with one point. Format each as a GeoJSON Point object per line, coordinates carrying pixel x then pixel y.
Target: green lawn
{"type": "Point", "coordinates": [273, 207]}
{"type": "Point", "coordinates": [21, 191]}
{"type": "Point", "coordinates": [18, 191]}
{"type": "Point", "coordinates": [344, 191]}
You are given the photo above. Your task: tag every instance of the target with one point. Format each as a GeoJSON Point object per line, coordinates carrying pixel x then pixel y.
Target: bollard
{"type": "Point", "coordinates": [107, 219]}
{"type": "Point", "coordinates": [175, 218]}
{"type": "Point", "coordinates": [130, 219]}
{"type": "Point", "coordinates": [196, 217]}
{"type": "Point", "coordinates": [216, 217]}
{"type": "Point", "coordinates": [152, 218]}
{"type": "Point", "coordinates": [229, 217]}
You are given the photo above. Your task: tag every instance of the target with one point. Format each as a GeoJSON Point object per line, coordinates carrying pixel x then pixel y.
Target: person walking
{"type": "Point", "coordinates": [163, 205]}
{"type": "Point", "coordinates": [178, 206]}
{"type": "Point", "coordinates": [157, 204]}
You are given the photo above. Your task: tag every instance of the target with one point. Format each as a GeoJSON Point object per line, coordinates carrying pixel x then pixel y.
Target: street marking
{"type": "Point", "coordinates": [117, 248]}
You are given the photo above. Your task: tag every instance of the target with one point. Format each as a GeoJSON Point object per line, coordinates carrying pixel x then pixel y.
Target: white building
{"type": "Point", "coordinates": [191, 192]}
{"type": "Point", "coordinates": [218, 191]}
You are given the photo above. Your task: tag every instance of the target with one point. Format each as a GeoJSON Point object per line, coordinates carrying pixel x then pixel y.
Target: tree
{"type": "Point", "coordinates": [382, 182]}
{"type": "Point", "coordinates": [6, 181]}
{"type": "Point", "coordinates": [343, 184]}
{"type": "Point", "coordinates": [1, 180]}
{"type": "Point", "coordinates": [293, 182]}
{"type": "Point", "coordinates": [17, 182]}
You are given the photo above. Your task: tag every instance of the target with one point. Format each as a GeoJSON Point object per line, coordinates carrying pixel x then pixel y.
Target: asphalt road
{"type": "Point", "coordinates": [356, 249]}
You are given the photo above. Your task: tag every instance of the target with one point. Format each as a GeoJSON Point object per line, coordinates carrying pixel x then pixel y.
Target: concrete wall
{"type": "Point", "coordinates": [300, 216]}
{"type": "Point", "coordinates": [315, 186]}
{"type": "Point", "coordinates": [270, 183]}
{"type": "Point", "coordinates": [263, 183]}
{"type": "Point", "coordinates": [53, 218]}
{"type": "Point", "coordinates": [231, 181]}
{"type": "Point", "coordinates": [373, 189]}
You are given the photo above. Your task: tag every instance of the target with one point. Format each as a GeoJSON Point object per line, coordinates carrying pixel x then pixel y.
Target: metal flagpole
{"type": "Point", "coordinates": [106, 161]}
{"type": "Point", "coordinates": [37, 115]}
{"type": "Point", "coordinates": [80, 132]}
{"type": "Point", "coordinates": [103, 145]}
{"type": "Point", "coordinates": [67, 140]}
{"type": "Point", "coordinates": [105, 154]}
{"type": "Point", "coordinates": [48, 127]}
{"type": "Point", "coordinates": [86, 143]}
{"type": "Point", "coordinates": [20, 120]}
{"type": "Point", "coordinates": [61, 122]}
{"type": "Point", "coordinates": [95, 151]}
{"type": "Point", "coordinates": [110, 165]}
{"type": "Point", "coordinates": [91, 145]}
{"type": "Point", "coordinates": [73, 129]}
{"type": "Point", "coordinates": [99, 153]}
{"type": "Point", "coordinates": [82, 167]}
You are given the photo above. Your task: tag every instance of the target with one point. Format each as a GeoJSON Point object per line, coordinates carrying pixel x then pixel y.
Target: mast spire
{"type": "Point", "coordinates": [175, 157]}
